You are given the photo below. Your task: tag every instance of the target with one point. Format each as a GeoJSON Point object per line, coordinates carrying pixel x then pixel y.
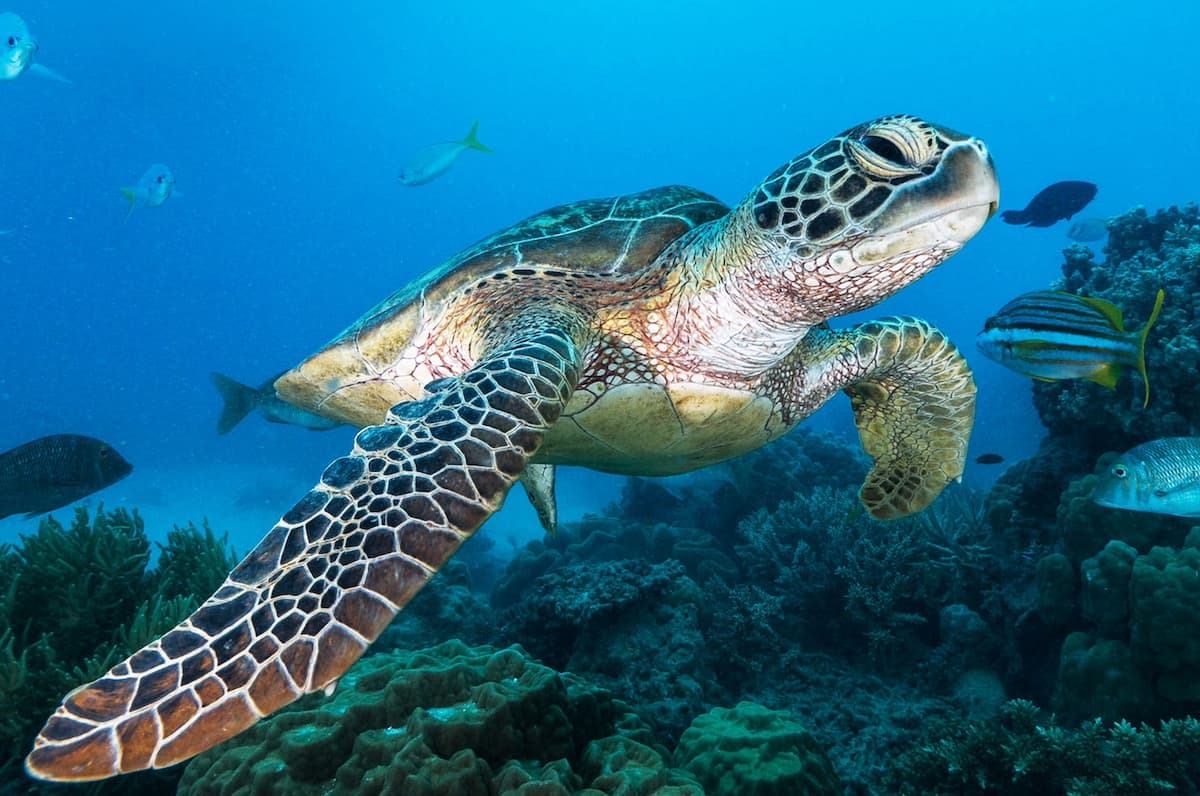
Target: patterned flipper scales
{"type": "Point", "coordinates": [913, 398]}
{"type": "Point", "coordinates": [325, 582]}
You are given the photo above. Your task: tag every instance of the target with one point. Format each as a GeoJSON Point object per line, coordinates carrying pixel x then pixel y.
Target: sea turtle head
{"type": "Point", "coordinates": [869, 211]}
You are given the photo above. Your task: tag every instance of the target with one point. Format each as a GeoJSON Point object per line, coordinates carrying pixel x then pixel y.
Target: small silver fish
{"type": "Point", "coordinates": [19, 49]}
{"type": "Point", "coordinates": [436, 159]}
{"type": "Point", "coordinates": [1086, 230]}
{"type": "Point", "coordinates": [1159, 477]}
{"type": "Point", "coordinates": [154, 188]}
{"type": "Point", "coordinates": [1051, 335]}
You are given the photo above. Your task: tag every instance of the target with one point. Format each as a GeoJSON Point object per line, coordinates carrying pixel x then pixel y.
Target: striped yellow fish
{"type": "Point", "coordinates": [1160, 477]}
{"type": "Point", "coordinates": [1050, 335]}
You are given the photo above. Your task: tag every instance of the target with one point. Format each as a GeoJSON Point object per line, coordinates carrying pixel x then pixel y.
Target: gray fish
{"type": "Point", "coordinates": [1159, 477]}
{"type": "Point", "coordinates": [152, 189]}
{"type": "Point", "coordinates": [18, 49]}
{"type": "Point", "coordinates": [50, 472]}
{"type": "Point", "coordinates": [241, 400]}
{"type": "Point", "coordinates": [435, 160]}
{"type": "Point", "coordinates": [1086, 230]}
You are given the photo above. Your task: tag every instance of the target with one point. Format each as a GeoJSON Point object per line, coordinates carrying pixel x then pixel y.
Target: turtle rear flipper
{"type": "Point", "coordinates": [304, 605]}
{"type": "Point", "coordinates": [914, 404]}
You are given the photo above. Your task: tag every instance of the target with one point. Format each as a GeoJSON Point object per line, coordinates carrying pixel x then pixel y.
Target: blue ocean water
{"type": "Point", "coordinates": [285, 125]}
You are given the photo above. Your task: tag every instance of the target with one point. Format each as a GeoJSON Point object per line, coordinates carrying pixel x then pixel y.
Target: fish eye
{"type": "Point", "coordinates": [160, 178]}
{"type": "Point", "coordinates": [103, 452]}
{"type": "Point", "coordinates": [1119, 471]}
{"type": "Point", "coordinates": [12, 41]}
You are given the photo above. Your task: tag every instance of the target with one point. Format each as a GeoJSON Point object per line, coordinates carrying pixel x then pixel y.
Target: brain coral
{"type": "Point", "coordinates": [750, 750]}
{"type": "Point", "coordinates": [448, 720]}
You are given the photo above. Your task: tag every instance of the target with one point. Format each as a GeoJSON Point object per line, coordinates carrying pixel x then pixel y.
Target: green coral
{"type": "Point", "coordinates": [1099, 678]}
{"type": "Point", "coordinates": [835, 570]}
{"type": "Point", "coordinates": [1057, 586]}
{"type": "Point", "coordinates": [751, 750]}
{"type": "Point", "coordinates": [193, 562]}
{"type": "Point", "coordinates": [76, 599]}
{"type": "Point", "coordinates": [1085, 527]}
{"type": "Point", "coordinates": [1026, 753]}
{"type": "Point", "coordinates": [451, 719]}
{"type": "Point", "coordinates": [78, 583]}
{"type": "Point", "coordinates": [1105, 590]}
{"type": "Point", "coordinates": [1165, 620]}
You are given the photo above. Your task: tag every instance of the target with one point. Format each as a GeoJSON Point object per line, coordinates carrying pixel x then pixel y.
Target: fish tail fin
{"type": "Point", "coordinates": [239, 399]}
{"type": "Point", "coordinates": [131, 197]}
{"type": "Point", "coordinates": [472, 142]}
{"type": "Point", "coordinates": [1141, 355]}
{"type": "Point", "coordinates": [1106, 375]}
{"type": "Point", "coordinates": [1014, 217]}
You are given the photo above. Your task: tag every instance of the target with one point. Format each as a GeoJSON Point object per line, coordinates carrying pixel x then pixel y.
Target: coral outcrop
{"type": "Point", "coordinates": [455, 719]}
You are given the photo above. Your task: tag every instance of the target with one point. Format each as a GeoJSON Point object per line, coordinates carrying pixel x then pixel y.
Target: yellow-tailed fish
{"type": "Point", "coordinates": [154, 188]}
{"type": "Point", "coordinates": [1050, 335]}
{"type": "Point", "coordinates": [1159, 477]}
{"type": "Point", "coordinates": [435, 160]}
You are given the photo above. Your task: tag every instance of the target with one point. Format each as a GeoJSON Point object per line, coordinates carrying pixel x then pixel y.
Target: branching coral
{"type": "Point", "coordinates": [77, 599]}
{"type": "Point", "coordinates": [78, 583]}
{"type": "Point", "coordinates": [836, 570]}
{"type": "Point", "coordinates": [1027, 753]}
{"type": "Point", "coordinates": [194, 561]}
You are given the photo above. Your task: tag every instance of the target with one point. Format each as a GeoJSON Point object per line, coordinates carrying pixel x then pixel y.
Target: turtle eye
{"type": "Point", "coordinates": [1119, 471]}
{"type": "Point", "coordinates": [886, 149]}
{"type": "Point", "coordinates": [895, 147]}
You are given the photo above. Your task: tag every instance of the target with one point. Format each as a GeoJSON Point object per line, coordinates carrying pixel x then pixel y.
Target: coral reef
{"type": "Point", "coordinates": [1024, 752]}
{"type": "Point", "coordinates": [612, 602]}
{"type": "Point", "coordinates": [1144, 253]}
{"type": "Point", "coordinates": [1084, 420]}
{"type": "Point", "coordinates": [461, 720]}
{"type": "Point", "coordinates": [716, 498]}
{"type": "Point", "coordinates": [754, 751]}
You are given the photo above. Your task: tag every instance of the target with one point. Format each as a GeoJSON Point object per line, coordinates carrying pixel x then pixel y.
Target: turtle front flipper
{"type": "Point", "coordinates": [325, 582]}
{"type": "Point", "coordinates": [914, 404]}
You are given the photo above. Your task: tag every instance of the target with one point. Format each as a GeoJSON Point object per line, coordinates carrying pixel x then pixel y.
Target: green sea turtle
{"type": "Point", "coordinates": [652, 333]}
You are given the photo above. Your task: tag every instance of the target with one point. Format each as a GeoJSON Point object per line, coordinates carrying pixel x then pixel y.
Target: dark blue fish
{"type": "Point", "coordinates": [989, 458]}
{"type": "Point", "coordinates": [241, 400]}
{"type": "Point", "coordinates": [1058, 202]}
{"type": "Point", "coordinates": [51, 472]}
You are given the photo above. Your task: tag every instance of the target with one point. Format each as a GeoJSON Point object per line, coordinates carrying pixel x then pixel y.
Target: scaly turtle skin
{"type": "Point", "coordinates": [654, 333]}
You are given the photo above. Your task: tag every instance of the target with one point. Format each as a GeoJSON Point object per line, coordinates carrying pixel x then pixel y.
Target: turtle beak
{"type": "Point", "coordinates": [963, 191]}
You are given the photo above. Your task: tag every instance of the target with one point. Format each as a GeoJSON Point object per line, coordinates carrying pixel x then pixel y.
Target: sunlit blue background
{"type": "Point", "coordinates": [286, 124]}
